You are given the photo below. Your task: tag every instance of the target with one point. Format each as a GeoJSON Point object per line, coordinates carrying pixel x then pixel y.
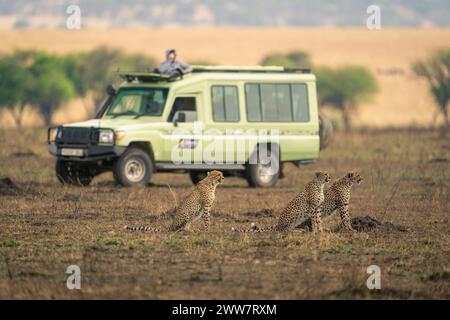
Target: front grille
{"type": "Point", "coordinates": [76, 135]}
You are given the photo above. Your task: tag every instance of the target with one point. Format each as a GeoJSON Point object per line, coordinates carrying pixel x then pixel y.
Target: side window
{"type": "Point", "coordinates": [253, 102]}
{"type": "Point", "coordinates": [184, 104]}
{"type": "Point", "coordinates": [300, 105]}
{"type": "Point", "coordinates": [276, 102]}
{"type": "Point", "coordinates": [268, 102]}
{"type": "Point", "coordinates": [225, 105]}
{"type": "Point", "coordinates": [218, 103]}
{"type": "Point", "coordinates": [284, 102]}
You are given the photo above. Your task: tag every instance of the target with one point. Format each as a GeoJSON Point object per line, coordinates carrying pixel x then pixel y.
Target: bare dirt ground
{"type": "Point", "coordinates": [45, 227]}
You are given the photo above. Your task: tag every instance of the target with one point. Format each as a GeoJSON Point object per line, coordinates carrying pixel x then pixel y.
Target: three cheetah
{"type": "Point", "coordinates": [312, 204]}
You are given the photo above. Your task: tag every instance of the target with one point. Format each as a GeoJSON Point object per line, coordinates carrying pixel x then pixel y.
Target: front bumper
{"type": "Point", "coordinates": [84, 139]}
{"type": "Point", "coordinates": [90, 153]}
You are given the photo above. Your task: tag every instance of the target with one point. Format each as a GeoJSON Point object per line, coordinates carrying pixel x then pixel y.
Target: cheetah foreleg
{"type": "Point", "coordinates": [206, 217]}
{"type": "Point", "coordinates": [345, 217]}
{"type": "Point", "coordinates": [316, 220]}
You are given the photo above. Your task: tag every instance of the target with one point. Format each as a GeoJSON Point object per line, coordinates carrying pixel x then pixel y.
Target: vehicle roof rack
{"type": "Point", "coordinates": [144, 76]}
{"type": "Point", "coordinates": [158, 77]}
{"type": "Point", "coordinates": [249, 69]}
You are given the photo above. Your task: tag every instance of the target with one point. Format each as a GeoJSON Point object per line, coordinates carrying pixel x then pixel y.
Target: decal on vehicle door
{"type": "Point", "coordinates": [188, 143]}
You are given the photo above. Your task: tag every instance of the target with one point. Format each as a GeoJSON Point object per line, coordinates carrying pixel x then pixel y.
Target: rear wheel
{"type": "Point", "coordinates": [325, 131]}
{"type": "Point", "coordinates": [133, 168]}
{"type": "Point", "coordinates": [71, 174]}
{"type": "Point", "coordinates": [197, 175]}
{"type": "Point", "coordinates": [264, 172]}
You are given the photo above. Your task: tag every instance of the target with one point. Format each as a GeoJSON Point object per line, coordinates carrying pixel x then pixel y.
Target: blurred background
{"type": "Point", "coordinates": [57, 56]}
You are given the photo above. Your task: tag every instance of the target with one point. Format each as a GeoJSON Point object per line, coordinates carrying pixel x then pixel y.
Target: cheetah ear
{"type": "Point", "coordinates": [318, 173]}
{"type": "Point", "coordinates": [209, 172]}
{"type": "Point", "coordinates": [350, 174]}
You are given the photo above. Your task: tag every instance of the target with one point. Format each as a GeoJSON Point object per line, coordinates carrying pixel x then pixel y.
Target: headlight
{"type": "Point", "coordinates": [106, 137]}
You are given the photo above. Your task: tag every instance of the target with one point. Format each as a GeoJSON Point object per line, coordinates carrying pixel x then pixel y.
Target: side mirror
{"type": "Point", "coordinates": [180, 116]}
{"type": "Point", "coordinates": [110, 90]}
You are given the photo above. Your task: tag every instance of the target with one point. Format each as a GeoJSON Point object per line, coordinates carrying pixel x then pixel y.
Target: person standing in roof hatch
{"type": "Point", "coordinates": [172, 66]}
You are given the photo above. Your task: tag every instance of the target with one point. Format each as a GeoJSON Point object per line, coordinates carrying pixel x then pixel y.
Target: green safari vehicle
{"type": "Point", "coordinates": [244, 121]}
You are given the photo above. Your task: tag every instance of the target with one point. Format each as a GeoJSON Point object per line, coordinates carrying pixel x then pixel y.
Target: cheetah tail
{"type": "Point", "coordinates": [253, 228]}
{"type": "Point", "coordinates": [142, 229]}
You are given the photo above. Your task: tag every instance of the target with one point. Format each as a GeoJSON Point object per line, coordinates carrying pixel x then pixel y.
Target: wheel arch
{"type": "Point", "coordinates": [145, 146]}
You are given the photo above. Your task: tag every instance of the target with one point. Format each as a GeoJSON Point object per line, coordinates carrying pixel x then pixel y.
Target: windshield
{"type": "Point", "coordinates": [139, 102]}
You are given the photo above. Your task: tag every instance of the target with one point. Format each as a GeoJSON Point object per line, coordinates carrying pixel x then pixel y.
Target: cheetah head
{"type": "Point", "coordinates": [216, 176]}
{"type": "Point", "coordinates": [323, 176]}
{"type": "Point", "coordinates": [355, 177]}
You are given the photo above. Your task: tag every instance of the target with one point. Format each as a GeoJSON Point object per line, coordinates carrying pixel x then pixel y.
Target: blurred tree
{"type": "Point", "coordinates": [136, 62]}
{"type": "Point", "coordinates": [45, 81]}
{"type": "Point", "coordinates": [99, 68]}
{"type": "Point", "coordinates": [294, 59]}
{"type": "Point", "coordinates": [21, 24]}
{"type": "Point", "coordinates": [436, 70]}
{"type": "Point", "coordinates": [344, 88]}
{"type": "Point", "coordinates": [15, 87]}
{"type": "Point", "coordinates": [24, 57]}
{"type": "Point", "coordinates": [51, 85]}
{"type": "Point", "coordinates": [72, 68]}
{"type": "Point", "coordinates": [300, 58]}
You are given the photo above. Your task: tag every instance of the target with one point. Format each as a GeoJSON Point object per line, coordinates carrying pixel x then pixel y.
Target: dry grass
{"type": "Point", "coordinates": [403, 99]}
{"type": "Point", "coordinates": [50, 227]}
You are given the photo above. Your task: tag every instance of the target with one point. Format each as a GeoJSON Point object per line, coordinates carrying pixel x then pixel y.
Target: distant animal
{"type": "Point", "coordinates": [197, 204]}
{"type": "Point", "coordinates": [337, 198]}
{"type": "Point", "coordinates": [306, 205]}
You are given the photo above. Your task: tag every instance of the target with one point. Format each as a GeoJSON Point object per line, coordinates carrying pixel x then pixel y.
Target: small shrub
{"type": "Point", "coordinates": [8, 244]}
{"type": "Point", "coordinates": [112, 242]}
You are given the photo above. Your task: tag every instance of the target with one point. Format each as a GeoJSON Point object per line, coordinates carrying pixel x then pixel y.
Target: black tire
{"type": "Point", "coordinates": [71, 174]}
{"type": "Point", "coordinates": [133, 168]}
{"type": "Point", "coordinates": [255, 171]}
{"type": "Point", "coordinates": [197, 175]}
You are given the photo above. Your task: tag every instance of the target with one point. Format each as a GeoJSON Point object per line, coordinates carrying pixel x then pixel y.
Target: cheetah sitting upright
{"type": "Point", "coordinates": [197, 203]}
{"type": "Point", "coordinates": [304, 206]}
{"type": "Point", "coordinates": [337, 198]}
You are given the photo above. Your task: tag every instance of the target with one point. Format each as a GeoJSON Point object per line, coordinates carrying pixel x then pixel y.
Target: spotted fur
{"type": "Point", "coordinates": [197, 204]}
{"type": "Point", "coordinates": [304, 206]}
{"type": "Point", "coordinates": [337, 198]}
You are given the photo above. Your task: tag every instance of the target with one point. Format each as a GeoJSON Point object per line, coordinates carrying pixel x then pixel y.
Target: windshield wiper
{"type": "Point", "coordinates": [140, 115]}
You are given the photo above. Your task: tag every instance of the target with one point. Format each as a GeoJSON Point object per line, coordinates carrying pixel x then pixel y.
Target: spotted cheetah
{"type": "Point", "coordinates": [197, 203]}
{"type": "Point", "coordinates": [337, 198]}
{"type": "Point", "coordinates": [304, 206]}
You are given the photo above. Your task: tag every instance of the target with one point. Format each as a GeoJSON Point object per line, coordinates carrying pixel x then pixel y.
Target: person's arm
{"type": "Point", "coordinates": [163, 67]}
{"type": "Point", "coordinates": [186, 68]}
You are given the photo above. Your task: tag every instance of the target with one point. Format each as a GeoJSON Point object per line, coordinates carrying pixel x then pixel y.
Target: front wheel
{"type": "Point", "coordinates": [133, 168]}
{"type": "Point", "coordinates": [264, 173]}
{"type": "Point", "coordinates": [71, 174]}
